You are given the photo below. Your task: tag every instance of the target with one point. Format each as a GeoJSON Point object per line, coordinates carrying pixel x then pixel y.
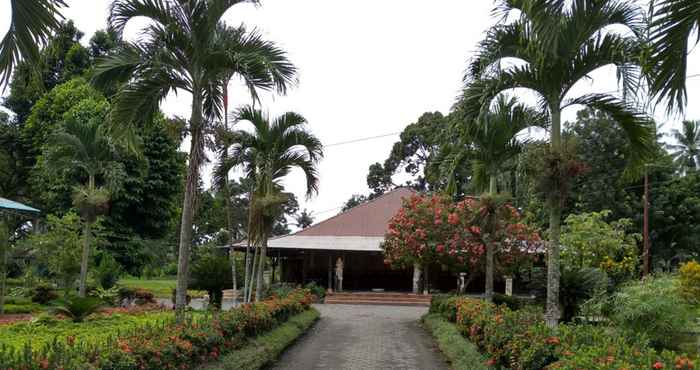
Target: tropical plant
{"type": "Point", "coordinates": [211, 272]}
{"type": "Point", "coordinates": [86, 146]}
{"type": "Point", "coordinates": [304, 219]}
{"type": "Point", "coordinates": [686, 154]}
{"type": "Point", "coordinates": [267, 156]}
{"type": "Point", "coordinates": [588, 241]}
{"type": "Point", "coordinates": [672, 24]}
{"type": "Point", "coordinates": [108, 271]}
{"type": "Point", "coordinates": [77, 308]}
{"type": "Point", "coordinates": [491, 144]}
{"type": "Point", "coordinates": [559, 43]}
{"type": "Point", "coordinates": [31, 24]}
{"type": "Point", "coordinates": [187, 48]}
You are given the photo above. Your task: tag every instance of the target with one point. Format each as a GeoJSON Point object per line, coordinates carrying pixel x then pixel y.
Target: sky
{"type": "Point", "coordinates": [366, 68]}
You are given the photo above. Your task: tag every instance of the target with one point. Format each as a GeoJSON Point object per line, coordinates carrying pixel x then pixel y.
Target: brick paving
{"type": "Point", "coordinates": [350, 337]}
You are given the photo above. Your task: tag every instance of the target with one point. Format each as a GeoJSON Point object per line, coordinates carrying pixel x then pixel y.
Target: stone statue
{"type": "Point", "coordinates": [339, 274]}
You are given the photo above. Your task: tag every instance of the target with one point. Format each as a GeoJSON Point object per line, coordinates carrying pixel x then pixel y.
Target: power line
{"type": "Point", "coordinates": [363, 139]}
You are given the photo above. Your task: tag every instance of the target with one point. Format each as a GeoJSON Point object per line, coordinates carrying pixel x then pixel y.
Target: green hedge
{"type": "Point", "coordinates": [521, 340]}
{"type": "Point", "coordinates": [163, 345]}
{"type": "Point", "coordinates": [261, 351]}
{"type": "Point", "coordinates": [462, 354]}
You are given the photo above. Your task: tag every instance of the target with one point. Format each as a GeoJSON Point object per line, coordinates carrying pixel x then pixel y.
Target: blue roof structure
{"type": "Point", "coordinates": [6, 204]}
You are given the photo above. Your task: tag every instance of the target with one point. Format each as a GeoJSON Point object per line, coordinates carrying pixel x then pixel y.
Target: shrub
{"type": "Point", "coordinates": [520, 340]}
{"type": "Point", "coordinates": [652, 306]}
{"type": "Point", "coordinates": [280, 290]}
{"type": "Point", "coordinates": [44, 294]}
{"type": "Point", "coordinates": [109, 296]}
{"type": "Point", "coordinates": [78, 308]}
{"type": "Point", "coordinates": [161, 345]}
{"type": "Point", "coordinates": [107, 272]}
{"type": "Point", "coordinates": [318, 291]}
{"type": "Point", "coordinates": [577, 286]}
{"type": "Point", "coordinates": [690, 282]}
{"type": "Point", "coordinates": [143, 296]}
{"type": "Point", "coordinates": [212, 272]}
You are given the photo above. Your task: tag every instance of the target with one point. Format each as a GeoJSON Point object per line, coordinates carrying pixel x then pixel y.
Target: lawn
{"type": "Point", "coordinates": [160, 287]}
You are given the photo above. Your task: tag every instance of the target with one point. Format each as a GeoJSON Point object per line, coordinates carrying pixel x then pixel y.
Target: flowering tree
{"type": "Point", "coordinates": [435, 230]}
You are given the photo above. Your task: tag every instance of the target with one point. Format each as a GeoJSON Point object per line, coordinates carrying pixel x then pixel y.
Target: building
{"type": "Point", "coordinates": [355, 237]}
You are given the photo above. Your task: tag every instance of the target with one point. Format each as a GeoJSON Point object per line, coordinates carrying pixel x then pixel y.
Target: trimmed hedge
{"type": "Point", "coordinates": [261, 351]}
{"type": "Point", "coordinates": [521, 340]}
{"type": "Point", "coordinates": [165, 345]}
{"type": "Point", "coordinates": [461, 354]}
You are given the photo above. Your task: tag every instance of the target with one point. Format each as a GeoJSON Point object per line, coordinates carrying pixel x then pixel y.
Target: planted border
{"type": "Point", "coordinates": [462, 354]}
{"type": "Point", "coordinates": [163, 346]}
{"type": "Point", "coordinates": [521, 340]}
{"type": "Point", "coordinates": [263, 350]}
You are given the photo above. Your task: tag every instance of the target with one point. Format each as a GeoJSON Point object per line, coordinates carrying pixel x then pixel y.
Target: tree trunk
{"type": "Point", "coordinates": [188, 205]}
{"type": "Point", "coordinates": [553, 313]}
{"type": "Point", "coordinates": [490, 246]}
{"type": "Point", "coordinates": [261, 269]}
{"type": "Point", "coordinates": [253, 269]}
{"type": "Point", "coordinates": [87, 233]}
{"type": "Point", "coordinates": [231, 238]}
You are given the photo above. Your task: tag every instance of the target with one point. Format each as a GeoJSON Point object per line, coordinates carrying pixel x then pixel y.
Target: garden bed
{"type": "Point", "coordinates": [519, 339]}
{"type": "Point", "coordinates": [146, 340]}
{"type": "Point", "coordinates": [263, 350]}
{"type": "Point", "coordinates": [461, 354]}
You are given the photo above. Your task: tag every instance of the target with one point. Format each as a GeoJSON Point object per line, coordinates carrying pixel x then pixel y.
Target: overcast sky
{"type": "Point", "coordinates": [366, 68]}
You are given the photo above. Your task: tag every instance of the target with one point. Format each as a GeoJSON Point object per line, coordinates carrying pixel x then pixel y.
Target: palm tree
{"type": "Point", "coordinates": [268, 155]}
{"type": "Point", "coordinates": [559, 43]}
{"type": "Point", "coordinates": [493, 142]}
{"type": "Point", "coordinates": [187, 48]}
{"type": "Point", "coordinates": [672, 23]}
{"type": "Point", "coordinates": [687, 151]}
{"type": "Point", "coordinates": [31, 25]}
{"type": "Point", "coordinates": [85, 146]}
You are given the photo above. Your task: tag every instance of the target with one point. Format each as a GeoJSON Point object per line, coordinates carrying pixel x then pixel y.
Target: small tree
{"type": "Point", "coordinates": [212, 272]}
{"type": "Point", "coordinates": [59, 248]}
{"type": "Point", "coordinates": [589, 241]}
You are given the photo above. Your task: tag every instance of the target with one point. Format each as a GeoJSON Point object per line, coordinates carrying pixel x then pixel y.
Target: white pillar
{"type": "Point", "coordinates": [509, 286]}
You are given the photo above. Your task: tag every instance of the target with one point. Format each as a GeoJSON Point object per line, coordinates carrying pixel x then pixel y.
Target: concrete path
{"type": "Point", "coordinates": [350, 337]}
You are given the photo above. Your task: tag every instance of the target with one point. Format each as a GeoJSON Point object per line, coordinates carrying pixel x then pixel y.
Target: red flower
{"type": "Point", "coordinates": [658, 365]}
{"type": "Point", "coordinates": [440, 248]}
{"type": "Point", "coordinates": [453, 219]}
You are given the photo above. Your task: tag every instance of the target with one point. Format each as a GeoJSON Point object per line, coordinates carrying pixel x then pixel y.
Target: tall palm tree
{"type": "Point", "coordinates": [267, 156]}
{"type": "Point", "coordinates": [187, 47]}
{"type": "Point", "coordinates": [557, 44]}
{"type": "Point", "coordinates": [672, 24]}
{"type": "Point", "coordinates": [85, 146]}
{"type": "Point", "coordinates": [686, 153]}
{"type": "Point", "coordinates": [492, 141]}
{"type": "Point", "coordinates": [31, 25]}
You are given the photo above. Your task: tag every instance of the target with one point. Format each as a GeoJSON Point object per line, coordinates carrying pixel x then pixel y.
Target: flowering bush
{"type": "Point", "coordinates": [434, 229]}
{"type": "Point", "coordinates": [690, 282]}
{"type": "Point", "coordinates": [520, 340]}
{"type": "Point", "coordinates": [160, 345]}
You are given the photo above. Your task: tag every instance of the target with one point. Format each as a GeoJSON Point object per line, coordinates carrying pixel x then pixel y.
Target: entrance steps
{"type": "Point", "coordinates": [378, 298]}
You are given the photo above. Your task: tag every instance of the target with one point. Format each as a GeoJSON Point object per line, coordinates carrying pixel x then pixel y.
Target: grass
{"type": "Point", "coordinates": [266, 348]}
{"type": "Point", "coordinates": [160, 287]}
{"type": "Point", "coordinates": [462, 354]}
{"type": "Point", "coordinates": [94, 330]}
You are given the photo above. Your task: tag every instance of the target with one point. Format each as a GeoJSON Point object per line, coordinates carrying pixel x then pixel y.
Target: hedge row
{"type": "Point", "coordinates": [167, 345]}
{"type": "Point", "coordinates": [519, 339]}
{"type": "Point", "coordinates": [461, 354]}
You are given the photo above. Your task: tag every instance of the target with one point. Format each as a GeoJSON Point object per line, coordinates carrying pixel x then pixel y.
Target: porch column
{"type": "Point", "coordinates": [330, 272]}
{"type": "Point", "coordinates": [416, 278]}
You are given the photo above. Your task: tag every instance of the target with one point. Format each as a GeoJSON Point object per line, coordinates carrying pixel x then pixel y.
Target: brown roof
{"type": "Point", "coordinates": [367, 219]}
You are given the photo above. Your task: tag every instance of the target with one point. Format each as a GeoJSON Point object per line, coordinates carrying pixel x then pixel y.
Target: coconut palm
{"type": "Point", "coordinates": [86, 147]}
{"type": "Point", "coordinates": [267, 156]}
{"type": "Point", "coordinates": [187, 48]}
{"type": "Point", "coordinates": [31, 25]}
{"type": "Point", "coordinates": [673, 22]}
{"type": "Point", "coordinates": [557, 44]}
{"type": "Point", "coordinates": [492, 141]}
{"type": "Point", "coordinates": [686, 153]}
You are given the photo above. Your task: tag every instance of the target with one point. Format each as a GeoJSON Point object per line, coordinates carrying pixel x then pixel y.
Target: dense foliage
{"type": "Point", "coordinates": [521, 340]}
{"type": "Point", "coordinates": [144, 341]}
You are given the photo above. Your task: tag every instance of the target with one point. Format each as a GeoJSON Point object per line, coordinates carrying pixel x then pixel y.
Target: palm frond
{"type": "Point", "coordinates": [31, 25]}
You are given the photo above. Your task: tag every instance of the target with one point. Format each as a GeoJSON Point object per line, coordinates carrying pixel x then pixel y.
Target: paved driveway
{"type": "Point", "coordinates": [352, 337]}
